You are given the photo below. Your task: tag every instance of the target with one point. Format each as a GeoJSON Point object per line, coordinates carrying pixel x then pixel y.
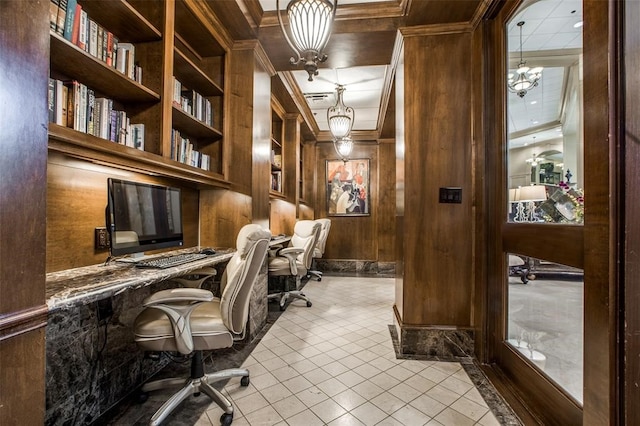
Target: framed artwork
{"type": "Point", "coordinates": [348, 188]}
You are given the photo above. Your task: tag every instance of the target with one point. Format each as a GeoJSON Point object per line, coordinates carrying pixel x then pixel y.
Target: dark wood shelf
{"type": "Point", "coordinates": [276, 194]}
{"type": "Point", "coordinates": [77, 64]}
{"type": "Point", "coordinates": [194, 34]}
{"type": "Point", "coordinates": [193, 77]}
{"type": "Point", "coordinates": [122, 19]}
{"type": "Point", "coordinates": [91, 148]}
{"type": "Point", "coordinates": [193, 127]}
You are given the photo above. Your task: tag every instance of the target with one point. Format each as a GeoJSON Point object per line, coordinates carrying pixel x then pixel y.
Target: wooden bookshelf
{"type": "Point", "coordinates": [171, 39]}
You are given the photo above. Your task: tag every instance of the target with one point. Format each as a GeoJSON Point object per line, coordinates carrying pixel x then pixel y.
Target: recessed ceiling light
{"type": "Point", "coordinates": [535, 122]}
{"type": "Point", "coordinates": [534, 102]}
{"type": "Point", "coordinates": [578, 24]}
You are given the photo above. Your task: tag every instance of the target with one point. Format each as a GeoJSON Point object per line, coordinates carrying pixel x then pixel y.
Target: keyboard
{"type": "Point", "coordinates": [170, 261]}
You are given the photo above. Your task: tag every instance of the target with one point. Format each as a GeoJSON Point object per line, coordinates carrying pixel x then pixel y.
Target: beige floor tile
{"type": "Point", "coordinates": [369, 414]}
{"type": "Point", "coordinates": [311, 396]}
{"type": "Point", "coordinates": [349, 399]}
{"type": "Point", "coordinates": [469, 408]}
{"type": "Point", "coordinates": [428, 405]}
{"type": "Point", "coordinates": [410, 416]}
{"type": "Point", "coordinates": [442, 394]}
{"type": "Point", "coordinates": [332, 386]}
{"type": "Point", "coordinates": [275, 393]}
{"type": "Point", "coordinates": [347, 419]}
{"type": "Point", "coordinates": [266, 416]}
{"type": "Point", "coordinates": [289, 407]}
{"type": "Point", "coordinates": [328, 410]}
{"type": "Point", "coordinates": [388, 403]}
{"type": "Point", "coordinates": [450, 417]}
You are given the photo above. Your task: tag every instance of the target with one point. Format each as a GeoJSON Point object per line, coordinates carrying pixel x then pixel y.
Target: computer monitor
{"type": "Point", "coordinates": [142, 217]}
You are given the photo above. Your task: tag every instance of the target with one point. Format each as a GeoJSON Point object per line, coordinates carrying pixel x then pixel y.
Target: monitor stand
{"type": "Point", "coordinates": [133, 258]}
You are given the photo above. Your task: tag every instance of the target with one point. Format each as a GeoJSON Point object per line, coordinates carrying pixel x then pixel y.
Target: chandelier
{"type": "Point", "coordinates": [534, 161]}
{"type": "Point", "coordinates": [310, 26]}
{"type": "Point", "coordinates": [343, 147]}
{"type": "Point", "coordinates": [340, 117]}
{"type": "Point", "coordinates": [524, 78]}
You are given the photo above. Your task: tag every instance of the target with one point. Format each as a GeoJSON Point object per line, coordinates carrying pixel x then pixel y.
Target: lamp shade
{"type": "Point", "coordinates": [343, 147]}
{"type": "Point", "coordinates": [340, 117]}
{"type": "Point", "coordinates": [310, 24]}
{"type": "Point", "coordinates": [533, 193]}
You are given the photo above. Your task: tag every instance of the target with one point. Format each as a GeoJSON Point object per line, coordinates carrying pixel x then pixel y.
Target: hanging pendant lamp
{"type": "Point", "coordinates": [524, 78]}
{"type": "Point", "coordinates": [310, 24]}
{"type": "Point", "coordinates": [340, 117]}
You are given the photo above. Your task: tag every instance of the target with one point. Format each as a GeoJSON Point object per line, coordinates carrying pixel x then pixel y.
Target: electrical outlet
{"type": "Point", "coordinates": [102, 241]}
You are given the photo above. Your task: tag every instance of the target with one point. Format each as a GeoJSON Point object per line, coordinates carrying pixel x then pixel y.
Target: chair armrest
{"type": "Point", "coordinates": [178, 295]}
{"type": "Point", "coordinates": [178, 304]}
{"type": "Point", "coordinates": [291, 253]}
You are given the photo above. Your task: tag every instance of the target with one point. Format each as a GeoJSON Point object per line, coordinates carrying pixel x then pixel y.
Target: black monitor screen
{"type": "Point", "coordinates": [142, 216]}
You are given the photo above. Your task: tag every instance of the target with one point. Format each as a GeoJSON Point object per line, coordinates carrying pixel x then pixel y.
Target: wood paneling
{"type": "Point", "coordinates": [386, 229]}
{"type": "Point", "coordinates": [438, 138]}
{"type": "Point", "coordinates": [24, 68]}
{"type": "Point", "coordinates": [291, 156]}
{"type": "Point", "coordinates": [222, 214]}
{"type": "Point", "coordinates": [76, 201]}
{"type": "Point", "coordinates": [350, 238]}
{"type": "Point", "coordinates": [629, 406]}
{"type": "Point", "coordinates": [282, 218]}
{"type": "Point", "coordinates": [601, 191]}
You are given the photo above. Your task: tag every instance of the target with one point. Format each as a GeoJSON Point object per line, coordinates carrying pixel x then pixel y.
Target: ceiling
{"type": "Point", "coordinates": [550, 39]}
{"type": "Point", "coordinates": [361, 46]}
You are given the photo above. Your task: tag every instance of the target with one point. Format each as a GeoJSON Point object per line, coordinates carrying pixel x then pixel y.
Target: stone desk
{"type": "Point", "coordinates": [92, 359]}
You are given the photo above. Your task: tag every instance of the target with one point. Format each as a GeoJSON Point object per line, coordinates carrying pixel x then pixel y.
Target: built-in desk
{"type": "Point", "coordinates": [92, 360]}
{"type": "Point", "coordinates": [81, 286]}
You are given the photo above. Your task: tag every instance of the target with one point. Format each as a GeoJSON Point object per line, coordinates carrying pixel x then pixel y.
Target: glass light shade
{"type": "Point", "coordinates": [340, 117]}
{"type": "Point", "coordinates": [310, 24]}
{"type": "Point", "coordinates": [525, 78]}
{"type": "Point", "coordinates": [343, 147]}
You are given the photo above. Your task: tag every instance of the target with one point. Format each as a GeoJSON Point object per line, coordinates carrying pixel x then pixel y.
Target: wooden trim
{"type": "Point", "coordinates": [436, 29]}
{"type": "Point", "coordinates": [23, 321]}
{"type": "Point", "coordinates": [534, 240]}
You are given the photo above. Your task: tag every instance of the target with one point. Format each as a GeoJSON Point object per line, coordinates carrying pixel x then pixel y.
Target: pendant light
{"type": "Point", "coordinates": [524, 78]}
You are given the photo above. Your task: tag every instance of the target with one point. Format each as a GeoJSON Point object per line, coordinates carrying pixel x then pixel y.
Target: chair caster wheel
{"type": "Point", "coordinates": [244, 381]}
{"type": "Point", "coordinates": [226, 419]}
{"type": "Point", "coordinates": [319, 279]}
{"type": "Point", "coordinates": [282, 307]}
{"type": "Point", "coordinates": [308, 304]}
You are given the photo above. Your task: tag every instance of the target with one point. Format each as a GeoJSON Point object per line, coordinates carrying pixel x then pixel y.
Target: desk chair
{"type": "Point", "coordinates": [191, 320]}
{"type": "Point", "coordinates": [318, 251]}
{"type": "Point", "coordinates": [295, 260]}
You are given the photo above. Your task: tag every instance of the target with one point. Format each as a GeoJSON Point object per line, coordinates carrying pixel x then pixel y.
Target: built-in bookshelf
{"type": "Point", "coordinates": [126, 57]}
{"type": "Point", "coordinates": [277, 140]}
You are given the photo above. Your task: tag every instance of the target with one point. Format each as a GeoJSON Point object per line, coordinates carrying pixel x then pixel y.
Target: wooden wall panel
{"type": "Point", "coordinates": [291, 156]}
{"type": "Point", "coordinates": [305, 212]}
{"type": "Point", "coordinates": [282, 217]}
{"type": "Point", "coordinates": [386, 229]}
{"type": "Point", "coordinates": [350, 237]}
{"type": "Point", "coordinates": [24, 67]}
{"type": "Point", "coordinates": [76, 202]}
{"type": "Point", "coordinates": [222, 214]}
{"type": "Point", "coordinates": [437, 236]}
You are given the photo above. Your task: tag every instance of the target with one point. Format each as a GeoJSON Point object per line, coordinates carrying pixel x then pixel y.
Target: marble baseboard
{"type": "Point", "coordinates": [356, 267]}
{"type": "Point", "coordinates": [433, 343]}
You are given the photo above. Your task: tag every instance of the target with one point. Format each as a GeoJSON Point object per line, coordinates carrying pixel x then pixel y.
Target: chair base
{"type": "Point", "coordinates": [285, 295]}
{"type": "Point", "coordinates": [317, 274]}
{"type": "Point", "coordinates": [197, 383]}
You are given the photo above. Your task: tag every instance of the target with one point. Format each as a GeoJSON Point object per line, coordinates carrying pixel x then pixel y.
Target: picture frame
{"type": "Point", "coordinates": [348, 187]}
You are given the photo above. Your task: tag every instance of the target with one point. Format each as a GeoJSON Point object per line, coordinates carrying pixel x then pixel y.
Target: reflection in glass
{"type": "Point", "coordinates": [545, 318]}
{"type": "Point", "coordinates": [545, 137]}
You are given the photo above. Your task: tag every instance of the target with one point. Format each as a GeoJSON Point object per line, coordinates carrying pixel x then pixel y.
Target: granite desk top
{"type": "Point", "coordinates": [81, 286]}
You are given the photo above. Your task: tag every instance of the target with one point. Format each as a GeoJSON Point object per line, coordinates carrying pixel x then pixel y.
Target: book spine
{"type": "Point", "coordinates": [69, 18]}
{"type": "Point", "coordinates": [97, 114]}
{"type": "Point", "coordinates": [75, 32]}
{"type": "Point", "coordinates": [65, 107]}
{"type": "Point", "coordinates": [113, 125]}
{"type": "Point", "coordinates": [93, 38]}
{"type": "Point", "coordinates": [62, 14]}
{"type": "Point", "coordinates": [91, 101]}
{"type": "Point", "coordinates": [82, 31]}
{"type": "Point", "coordinates": [51, 98]}
{"type": "Point", "coordinates": [61, 109]}
{"type": "Point", "coordinates": [109, 49]}
{"type": "Point", "coordinates": [82, 109]}
{"type": "Point", "coordinates": [54, 6]}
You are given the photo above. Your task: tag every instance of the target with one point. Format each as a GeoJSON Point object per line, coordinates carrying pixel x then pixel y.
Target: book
{"type": "Point", "coordinates": [93, 38]}
{"type": "Point", "coordinates": [82, 30]}
{"type": "Point", "coordinates": [82, 110]}
{"type": "Point", "coordinates": [62, 14]}
{"type": "Point", "coordinates": [51, 100]}
{"type": "Point", "coordinates": [91, 102]}
{"type": "Point", "coordinates": [61, 108]}
{"type": "Point", "coordinates": [73, 104]}
{"type": "Point", "coordinates": [75, 30]}
{"type": "Point", "coordinates": [69, 18]}
{"type": "Point", "coordinates": [54, 6]}
{"type": "Point", "coordinates": [109, 48]}
{"type": "Point", "coordinates": [125, 61]}
{"type": "Point", "coordinates": [137, 135]}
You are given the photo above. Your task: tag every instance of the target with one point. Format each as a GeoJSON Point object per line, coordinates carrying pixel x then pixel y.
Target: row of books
{"type": "Point", "coordinates": [183, 150]}
{"type": "Point", "coordinates": [74, 105]}
{"type": "Point", "coordinates": [68, 19]}
{"type": "Point", "coordinates": [192, 103]}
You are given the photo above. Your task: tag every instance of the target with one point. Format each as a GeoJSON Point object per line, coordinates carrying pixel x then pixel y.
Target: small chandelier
{"type": "Point", "coordinates": [524, 79]}
{"type": "Point", "coordinates": [535, 160]}
{"type": "Point", "coordinates": [310, 25]}
{"type": "Point", "coordinates": [343, 147]}
{"type": "Point", "coordinates": [340, 117]}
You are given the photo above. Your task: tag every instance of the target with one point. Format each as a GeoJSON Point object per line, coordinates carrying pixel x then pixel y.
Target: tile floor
{"type": "Point", "coordinates": [334, 364]}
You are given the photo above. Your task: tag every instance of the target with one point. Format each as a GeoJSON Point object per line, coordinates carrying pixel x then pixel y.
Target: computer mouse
{"type": "Point", "coordinates": [208, 251]}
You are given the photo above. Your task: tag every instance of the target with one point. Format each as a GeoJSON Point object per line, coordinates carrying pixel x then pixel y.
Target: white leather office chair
{"type": "Point", "coordinates": [318, 251]}
{"type": "Point", "coordinates": [295, 260]}
{"type": "Point", "coordinates": [191, 320]}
